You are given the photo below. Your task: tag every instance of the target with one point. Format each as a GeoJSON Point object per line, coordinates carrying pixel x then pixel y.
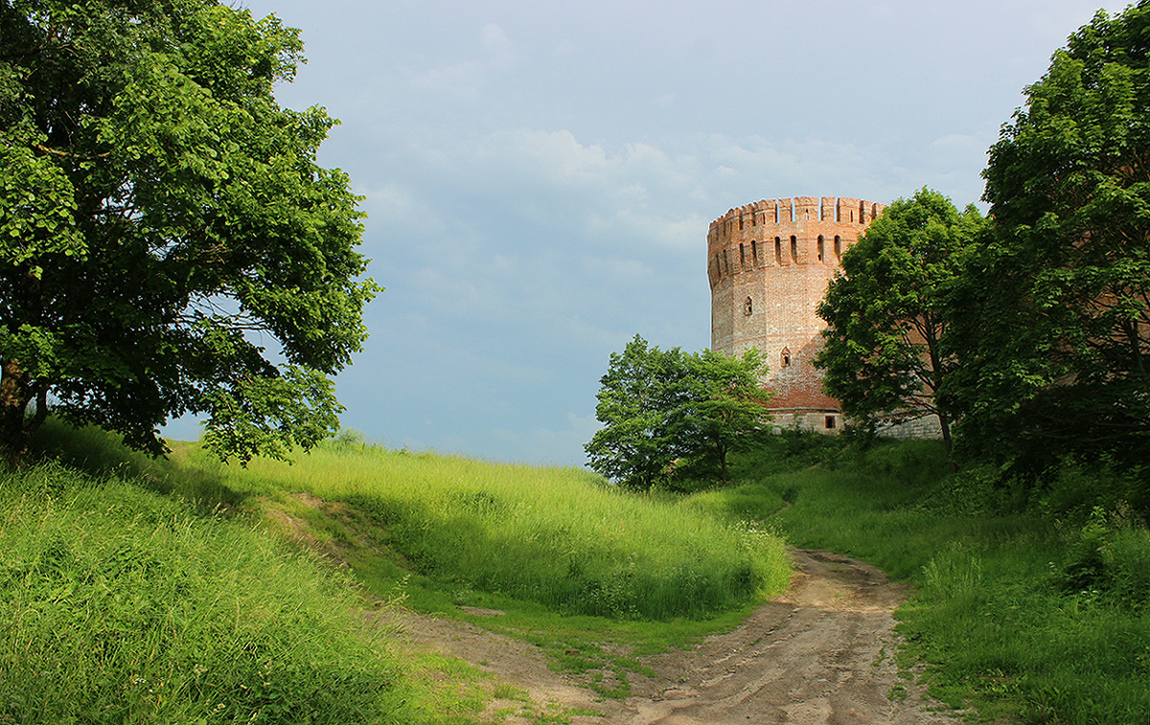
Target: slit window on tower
{"type": "Point", "coordinates": [794, 250]}
{"type": "Point", "coordinates": [820, 247]}
{"type": "Point", "coordinates": [838, 247]}
{"type": "Point", "coordinates": [754, 253]}
{"type": "Point", "coordinates": [748, 307]}
{"type": "Point", "coordinates": [778, 251]}
{"type": "Point", "coordinates": [742, 256]}
{"type": "Point", "coordinates": [786, 355]}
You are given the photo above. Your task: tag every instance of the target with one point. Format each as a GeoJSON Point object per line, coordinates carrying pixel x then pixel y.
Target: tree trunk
{"type": "Point", "coordinates": [944, 424]}
{"type": "Point", "coordinates": [15, 394]}
{"type": "Point", "coordinates": [937, 373]}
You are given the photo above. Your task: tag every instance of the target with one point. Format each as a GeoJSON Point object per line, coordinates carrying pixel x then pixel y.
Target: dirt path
{"type": "Point", "coordinates": [822, 653]}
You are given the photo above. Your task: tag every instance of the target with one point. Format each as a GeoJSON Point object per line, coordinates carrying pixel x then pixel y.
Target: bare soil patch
{"type": "Point", "coordinates": [824, 652]}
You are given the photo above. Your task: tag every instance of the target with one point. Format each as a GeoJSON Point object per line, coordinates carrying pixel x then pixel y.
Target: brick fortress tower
{"type": "Point", "coordinates": [769, 264]}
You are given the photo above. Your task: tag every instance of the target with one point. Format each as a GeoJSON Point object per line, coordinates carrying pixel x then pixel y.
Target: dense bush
{"type": "Point", "coordinates": [1109, 558]}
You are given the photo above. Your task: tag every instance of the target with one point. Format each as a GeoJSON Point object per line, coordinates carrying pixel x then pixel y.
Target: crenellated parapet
{"type": "Point", "coordinates": [798, 209]}
{"type": "Point", "coordinates": [783, 232]}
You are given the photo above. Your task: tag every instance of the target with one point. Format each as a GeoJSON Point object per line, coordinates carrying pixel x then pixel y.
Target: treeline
{"type": "Point", "coordinates": [1028, 331]}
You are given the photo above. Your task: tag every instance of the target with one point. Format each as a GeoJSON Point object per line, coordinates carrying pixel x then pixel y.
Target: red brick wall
{"type": "Point", "coordinates": [780, 254]}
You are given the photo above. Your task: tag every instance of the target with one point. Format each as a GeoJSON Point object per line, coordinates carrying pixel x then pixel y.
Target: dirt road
{"type": "Point", "coordinates": [822, 653]}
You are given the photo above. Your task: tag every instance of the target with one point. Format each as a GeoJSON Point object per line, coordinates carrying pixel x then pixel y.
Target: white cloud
{"type": "Point", "coordinates": [497, 46]}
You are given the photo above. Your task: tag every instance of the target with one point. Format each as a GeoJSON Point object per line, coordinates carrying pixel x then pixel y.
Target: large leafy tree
{"type": "Point", "coordinates": [888, 317]}
{"type": "Point", "coordinates": [639, 404]}
{"type": "Point", "coordinates": [1060, 352]}
{"type": "Point", "coordinates": [162, 220]}
{"type": "Point", "coordinates": [728, 405]}
{"type": "Point", "coordinates": [657, 406]}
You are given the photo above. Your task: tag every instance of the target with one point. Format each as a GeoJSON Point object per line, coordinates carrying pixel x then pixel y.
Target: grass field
{"type": "Point", "coordinates": [557, 537]}
{"type": "Point", "coordinates": [1031, 602]}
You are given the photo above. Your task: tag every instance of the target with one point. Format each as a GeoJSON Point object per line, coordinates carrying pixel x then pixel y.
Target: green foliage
{"type": "Point", "coordinates": [885, 348]}
{"type": "Point", "coordinates": [122, 606]}
{"type": "Point", "coordinates": [1126, 561]}
{"type": "Point", "coordinates": [1074, 487]}
{"type": "Point", "coordinates": [1084, 568]}
{"type": "Point", "coordinates": [157, 206]}
{"type": "Point", "coordinates": [641, 402]}
{"type": "Point", "coordinates": [1109, 558]}
{"type": "Point", "coordinates": [659, 406]}
{"type": "Point", "coordinates": [729, 408]}
{"type": "Point", "coordinates": [1056, 313]}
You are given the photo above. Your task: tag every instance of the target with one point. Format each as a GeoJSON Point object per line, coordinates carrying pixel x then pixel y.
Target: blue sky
{"type": "Point", "coordinates": [539, 176]}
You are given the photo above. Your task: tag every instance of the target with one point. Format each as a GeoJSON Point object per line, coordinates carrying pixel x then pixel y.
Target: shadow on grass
{"type": "Point", "coordinates": [99, 453]}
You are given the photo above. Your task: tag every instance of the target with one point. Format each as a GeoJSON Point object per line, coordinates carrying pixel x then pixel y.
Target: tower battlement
{"type": "Point", "coordinates": [769, 264]}
{"type": "Point", "coordinates": [780, 232]}
{"type": "Point", "coordinates": [800, 208]}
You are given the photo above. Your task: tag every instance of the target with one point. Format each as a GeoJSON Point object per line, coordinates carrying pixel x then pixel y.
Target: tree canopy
{"type": "Point", "coordinates": [885, 352]}
{"type": "Point", "coordinates": [163, 220]}
{"type": "Point", "coordinates": [729, 404]}
{"type": "Point", "coordinates": [1056, 315]}
{"type": "Point", "coordinates": [658, 406]}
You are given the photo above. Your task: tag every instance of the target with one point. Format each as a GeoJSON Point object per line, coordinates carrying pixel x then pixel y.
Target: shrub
{"type": "Point", "coordinates": [1127, 560]}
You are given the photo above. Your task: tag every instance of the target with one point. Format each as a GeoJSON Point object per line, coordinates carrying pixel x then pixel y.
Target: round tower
{"type": "Point", "coordinates": [769, 264]}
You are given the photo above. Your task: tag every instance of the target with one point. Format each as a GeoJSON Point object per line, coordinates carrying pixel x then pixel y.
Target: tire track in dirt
{"type": "Point", "coordinates": [823, 653]}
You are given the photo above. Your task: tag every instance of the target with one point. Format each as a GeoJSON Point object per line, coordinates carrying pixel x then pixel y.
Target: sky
{"type": "Point", "coordinates": [539, 176]}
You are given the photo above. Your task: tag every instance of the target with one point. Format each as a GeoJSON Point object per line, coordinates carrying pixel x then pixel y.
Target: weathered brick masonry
{"type": "Point", "coordinates": [769, 264]}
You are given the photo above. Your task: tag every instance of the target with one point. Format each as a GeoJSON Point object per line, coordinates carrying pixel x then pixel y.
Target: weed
{"type": "Point", "coordinates": [507, 692]}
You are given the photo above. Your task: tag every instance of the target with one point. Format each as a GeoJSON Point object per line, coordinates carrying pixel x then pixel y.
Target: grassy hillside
{"type": "Point", "coordinates": [553, 536]}
{"type": "Point", "coordinates": [191, 591]}
{"type": "Point", "coordinates": [119, 605]}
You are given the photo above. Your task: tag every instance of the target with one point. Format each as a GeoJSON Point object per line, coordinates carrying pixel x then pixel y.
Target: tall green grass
{"type": "Point", "coordinates": [1031, 602]}
{"type": "Point", "coordinates": [558, 537]}
{"type": "Point", "coordinates": [118, 605]}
